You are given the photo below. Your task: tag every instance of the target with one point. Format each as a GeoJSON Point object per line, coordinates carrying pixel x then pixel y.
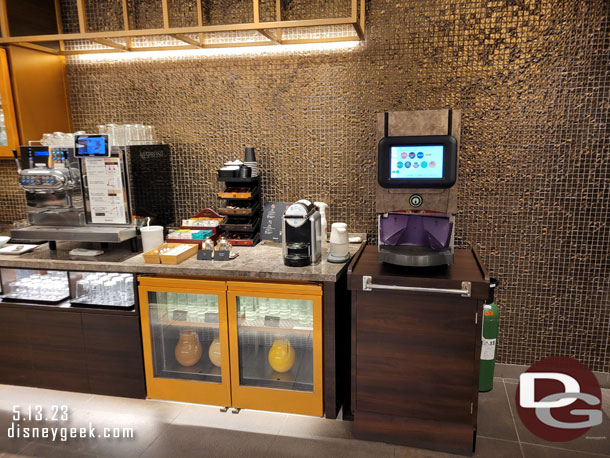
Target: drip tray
{"type": "Point", "coordinates": [415, 256]}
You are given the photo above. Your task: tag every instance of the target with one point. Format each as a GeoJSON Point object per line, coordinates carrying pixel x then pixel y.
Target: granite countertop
{"type": "Point", "coordinates": [263, 261]}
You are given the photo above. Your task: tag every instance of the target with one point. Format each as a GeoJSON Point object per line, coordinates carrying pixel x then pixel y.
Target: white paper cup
{"type": "Point", "coordinates": [152, 237]}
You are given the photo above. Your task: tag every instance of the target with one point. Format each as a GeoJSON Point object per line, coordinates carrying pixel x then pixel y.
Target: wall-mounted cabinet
{"type": "Point", "coordinates": [239, 344]}
{"type": "Point", "coordinates": [40, 93]}
{"type": "Point", "coordinates": [32, 76]}
{"type": "Point", "coordinates": [9, 137]}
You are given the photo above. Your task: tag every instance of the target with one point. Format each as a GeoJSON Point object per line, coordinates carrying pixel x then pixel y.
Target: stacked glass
{"type": "Point", "coordinates": [105, 289]}
{"type": "Point", "coordinates": [51, 287]}
{"type": "Point", "coordinates": [196, 306]}
{"type": "Point", "coordinates": [128, 134]}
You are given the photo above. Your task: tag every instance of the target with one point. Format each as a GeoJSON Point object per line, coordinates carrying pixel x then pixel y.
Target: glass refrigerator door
{"type": "Point", "coordinates": [185, 340]}
{"type": "Point", "coordinates": [276, 347]}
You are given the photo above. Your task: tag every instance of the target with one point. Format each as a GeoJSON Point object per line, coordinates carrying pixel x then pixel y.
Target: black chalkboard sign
{"type": "Point", "coordinates": [271, 226]}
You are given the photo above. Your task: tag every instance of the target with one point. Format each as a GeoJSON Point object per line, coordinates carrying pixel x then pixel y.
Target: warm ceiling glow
{"type": "Point", "coordinates": [217, 52]}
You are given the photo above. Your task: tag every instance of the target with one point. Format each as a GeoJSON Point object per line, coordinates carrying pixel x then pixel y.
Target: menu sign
{"type": "Point", "coordinates": [271, 226]}
{"type": "Point", "coordinates": [106, 193]}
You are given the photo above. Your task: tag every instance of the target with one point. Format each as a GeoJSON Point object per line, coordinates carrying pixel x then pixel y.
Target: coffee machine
{"type": "Point", "coordinates": [416, 198]}
{"type": "Point", "coordinates": [75, 194]}
{"type": "Point", "coordinates": [52, 183]}
{"type": "Point", "coordinates": [301, 234]}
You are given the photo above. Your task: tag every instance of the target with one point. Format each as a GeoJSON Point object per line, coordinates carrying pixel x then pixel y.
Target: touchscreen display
{"type": "Point", "coordinates": [413, 161]}
{"type": "Point", "coordinates": [91, 145]}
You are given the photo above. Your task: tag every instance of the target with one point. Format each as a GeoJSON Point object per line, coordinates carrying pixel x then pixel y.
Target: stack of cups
{"type": "Point", "coordinates": [250, 160]}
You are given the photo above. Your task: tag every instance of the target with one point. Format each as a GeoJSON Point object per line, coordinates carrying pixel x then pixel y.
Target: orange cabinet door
{"type": "Point", "coordinates": [275, 333]}
{"type": "Point", "coordinates": [9, 138]}
{"type": "Point", "coordinates": [185, 340]}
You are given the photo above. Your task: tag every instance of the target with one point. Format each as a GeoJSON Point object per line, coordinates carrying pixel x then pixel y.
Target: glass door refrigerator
{"type": "Point", "coordinates": [185, 340]}
{"type": "Point", "coordinates": [275, 333]}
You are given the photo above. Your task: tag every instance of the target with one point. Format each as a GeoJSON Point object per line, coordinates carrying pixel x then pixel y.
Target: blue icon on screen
{"type": "Point", "coordinates": [407, 165]}
{"type": "Point", "coordinates": [424, 165]}
{"type": "Point", "coordinates": [412, 155]}
{"type": "Point", "coordinates": [420, 155]}
{"type": "Point", "coordinates": [399, 165]}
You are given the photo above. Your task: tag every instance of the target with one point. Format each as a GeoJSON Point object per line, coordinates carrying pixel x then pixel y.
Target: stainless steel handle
{"type": "Point", "coordinates": [367, 285]}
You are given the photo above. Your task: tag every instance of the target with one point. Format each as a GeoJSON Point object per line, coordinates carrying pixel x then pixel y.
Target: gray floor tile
{"type": "Point", "coordinates": [246, 420]}
{"type": "Point", "coordinates": [540, 451]}
{"type": "Point", "coordinates": [145, 431]}
{"type": "Point", "coordinates": [410, 452]}
{"type": "Point", "coordinates": [596, 440]}
{"type": "Point", "coordinates": [296, 447]}
{"type": "Point", "coordinates": [11, 395]}
{"type": "Point", "coordinates": [194, 441]}
{"type": "Point", "coordinates": [509, 371]}
{"type": "Point", "coordinates": [47, 451]}
{"type": "Point", "coordinates": [487, 448]}
{"type": "Point", "coordinates": [161, 410]}
{"type": "Point", "coordinates": [307, 427]}
{"type": "Point", "coordinates": [494, 418]}
{"type": "Point", "coordinates": [10, 444]}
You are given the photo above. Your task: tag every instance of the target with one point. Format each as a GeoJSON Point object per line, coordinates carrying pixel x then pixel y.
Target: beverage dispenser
{"type": "Point", "coordinates": [416, 198]}
{"type": "Point", "coordinates": [76, 194]}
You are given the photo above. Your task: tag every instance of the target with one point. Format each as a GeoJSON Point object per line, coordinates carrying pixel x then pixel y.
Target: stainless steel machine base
{"type": "Point", "coordinates": [56, 217]}
{"type": "Point", "coordinates": [415, 256]}
{"type": "Point", "coordinates": [105, 234]}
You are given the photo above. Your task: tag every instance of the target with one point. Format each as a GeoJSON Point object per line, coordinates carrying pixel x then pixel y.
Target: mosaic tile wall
{"type": "Point", "coordinates": [532, 81]}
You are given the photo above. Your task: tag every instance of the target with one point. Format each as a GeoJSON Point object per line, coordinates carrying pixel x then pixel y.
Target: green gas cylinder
{"type": "Point", "coordinates": [491, 323]}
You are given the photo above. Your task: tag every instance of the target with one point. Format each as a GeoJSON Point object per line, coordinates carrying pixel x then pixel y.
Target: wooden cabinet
{"type": "Point", "coordinates": [415, 353]}
{"type": "Point", "coordinates": [293, 383]}
{"type": "Point", "coordinates": [71, 350]}
{"type": "Point", "coordinates": [58, 350]}
{"type": "Point", "coordinates": [191, 315]}
{"type": "Point", "coordinates": [15, 351]}
{"type": "Point", "coordinates": [40, 93]}
{"type": "Point", "coordinates": [114, 355]}
{"type": "Point", "coordinates": [253, 345]}
{"type": "Point", "coordinates": [9, 137]}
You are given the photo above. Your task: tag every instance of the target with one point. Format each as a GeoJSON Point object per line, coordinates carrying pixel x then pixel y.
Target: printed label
{"type": "Point", "coordinates": [488, 349]}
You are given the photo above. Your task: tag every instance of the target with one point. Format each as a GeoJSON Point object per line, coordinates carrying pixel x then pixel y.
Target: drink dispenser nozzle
{"type": "Point", "coordinates": [17, 161]}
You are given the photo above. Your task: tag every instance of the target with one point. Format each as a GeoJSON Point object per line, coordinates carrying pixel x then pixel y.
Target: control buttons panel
{"type": "Point", "coordinates": [39, 180]}
{"type": "Point", "coordinates": [416, 200]}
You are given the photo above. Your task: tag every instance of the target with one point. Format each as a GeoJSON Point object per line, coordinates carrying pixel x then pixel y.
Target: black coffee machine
{"type": "Point", "coordinates": [301, 234]}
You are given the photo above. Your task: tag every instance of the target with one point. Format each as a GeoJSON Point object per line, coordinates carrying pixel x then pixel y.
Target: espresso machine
{"type": "Point", "coordinates": [75, 194]}
{"type": "Point", "coordinates": [301, 234]}
{"type": "Point", "coordinates": [416, 199]}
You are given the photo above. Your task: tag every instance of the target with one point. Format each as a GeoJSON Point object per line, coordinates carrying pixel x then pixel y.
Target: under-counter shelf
{"type": "Point", "coordinates": [291, 327]}
{"type": "Point", "coordinates": [187, 324]}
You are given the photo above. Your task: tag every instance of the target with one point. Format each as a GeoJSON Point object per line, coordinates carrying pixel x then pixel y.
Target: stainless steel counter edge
{"type": "Point", "coordinates": [260, 262]}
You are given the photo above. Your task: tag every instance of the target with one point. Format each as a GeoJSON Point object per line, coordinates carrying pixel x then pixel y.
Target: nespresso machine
{"type": "Point", "coordinates": [416, 197]}
{"type": "Point", "coordinates": [76, 194]}
{"type": "Point", "coordinates": [301, 234]}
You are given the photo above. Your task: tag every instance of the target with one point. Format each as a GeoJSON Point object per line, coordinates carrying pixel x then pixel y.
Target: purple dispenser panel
{"type": "Point", "coordinates": [430, 231]}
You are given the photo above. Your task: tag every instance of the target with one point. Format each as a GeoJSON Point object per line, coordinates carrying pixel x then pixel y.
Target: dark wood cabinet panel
{"type": "Point", "coordinates": [415, 346]}
{"type": "Point", "coordinates": [58, 351]}
{"type": "Point", "coordinates": [114, 355]}
{"type": "Point", "coordinates": [415, 432]}
{"type": "Point", "coordinates": [415, 354]}
{"type": "Point", "coordinates": [71, 350]}
{"type": "Point", "coordinates": [15, 351]}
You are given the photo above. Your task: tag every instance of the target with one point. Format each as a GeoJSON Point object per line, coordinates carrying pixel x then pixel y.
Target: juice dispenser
{"type": "Point", "coordinates": [416, 198]}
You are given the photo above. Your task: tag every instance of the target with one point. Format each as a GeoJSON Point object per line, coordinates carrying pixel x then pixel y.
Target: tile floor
{"type": "Point", "coordinates": [165, 429]}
